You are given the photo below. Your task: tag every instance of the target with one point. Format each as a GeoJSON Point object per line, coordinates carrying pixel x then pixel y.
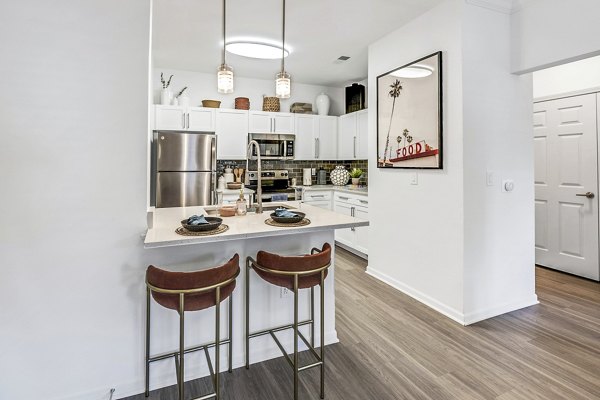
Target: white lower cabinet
{"type": "Point", "coordinates": [355, 206]}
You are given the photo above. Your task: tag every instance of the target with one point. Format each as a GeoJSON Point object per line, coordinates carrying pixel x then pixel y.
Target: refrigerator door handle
{"type": "Point", "coordinates": [214, 167]}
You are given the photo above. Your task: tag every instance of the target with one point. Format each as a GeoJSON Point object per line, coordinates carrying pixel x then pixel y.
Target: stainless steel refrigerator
{"type": "Point", "coordinates": [186, 168]}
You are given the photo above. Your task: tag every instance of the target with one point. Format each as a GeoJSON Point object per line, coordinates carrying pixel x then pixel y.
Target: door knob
{"type": "Point", "coordinates": [589, 195]}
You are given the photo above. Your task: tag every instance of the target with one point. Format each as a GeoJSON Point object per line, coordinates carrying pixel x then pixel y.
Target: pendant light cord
{"type": "Point", "coordinates": [223, 55]}
{"type": "Point", "coordinates": [283, 42]}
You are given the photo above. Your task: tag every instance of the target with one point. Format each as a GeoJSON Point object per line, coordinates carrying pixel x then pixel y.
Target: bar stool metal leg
{"type": "Point", "coordinates": [217, 342]}
{"type": "Point", "coordinates": [230, 369]}
{"type": "Point", "coordinates": [247, 313]}
{"type": "Point", "coordinates": [295, 337]}
{"type": "Point", "coordinates": [147, 393]}
{"type": "Point", "coordinates": [312, 316]}
{"type": "Point", "coordinates": [181, 344]}
{"type": "Point", "coordinates": [322, 321]}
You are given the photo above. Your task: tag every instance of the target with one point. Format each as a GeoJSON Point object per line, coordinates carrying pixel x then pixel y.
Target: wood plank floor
{"type": "Point", "coordinates": [393, 347]}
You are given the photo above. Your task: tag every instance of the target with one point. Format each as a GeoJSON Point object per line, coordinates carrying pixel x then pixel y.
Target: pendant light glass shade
{"type": "Point", "coordinates": [225, 72]}
{"type": "Point", "coordinates": [225, 79]}
{"type": "Point", "coordinates": [283, 85]}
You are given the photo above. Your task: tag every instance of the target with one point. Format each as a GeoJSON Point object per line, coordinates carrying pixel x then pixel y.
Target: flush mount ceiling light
{"type": "Point", "coordinates": [255, 49]}
{"type": "Point", "coordinates": [225, 72]}
{"type": "Point", "coordinates": [283, 83]}
{"type": "Point", "coordinates": [413, 71]}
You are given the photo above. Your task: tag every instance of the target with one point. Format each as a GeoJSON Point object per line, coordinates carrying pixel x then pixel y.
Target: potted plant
{"type": "Point", "coordinates": [355, 174]}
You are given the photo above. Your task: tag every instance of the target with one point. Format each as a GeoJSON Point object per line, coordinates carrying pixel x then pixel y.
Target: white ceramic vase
{"type": "Point", "coordinates": [322, 101]}
{"type": "Point", "coordinates": [339, 176]}
{"type": "Point", "coordinates": [184, 101]}
{"type": "Point", "coordinates": [166, 97]}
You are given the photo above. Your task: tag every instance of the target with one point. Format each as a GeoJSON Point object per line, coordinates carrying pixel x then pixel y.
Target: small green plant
{"type": "Point", "coordinates": [356, 173]}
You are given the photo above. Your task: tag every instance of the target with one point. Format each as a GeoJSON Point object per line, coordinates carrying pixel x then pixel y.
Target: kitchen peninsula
{"type": "Point", "coordinates": [270, 306]}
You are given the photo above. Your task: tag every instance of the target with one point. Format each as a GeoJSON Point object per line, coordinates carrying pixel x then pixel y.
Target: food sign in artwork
{"type": "Point", "coordinates": [409, 115]}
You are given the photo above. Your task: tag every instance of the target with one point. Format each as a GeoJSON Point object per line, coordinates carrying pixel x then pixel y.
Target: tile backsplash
{"type": "Point", "coordinates": [295, 167]}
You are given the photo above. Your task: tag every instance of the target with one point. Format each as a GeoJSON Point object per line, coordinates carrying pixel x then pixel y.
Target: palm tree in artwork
{"type": "Point", "coordinates": [394, 93]}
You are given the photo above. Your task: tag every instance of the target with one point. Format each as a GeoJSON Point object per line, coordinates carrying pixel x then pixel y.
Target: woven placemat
{"type": "Point", "coordinates": [184, 232]}
{"type": "Point", "coordinates": [304, 222]}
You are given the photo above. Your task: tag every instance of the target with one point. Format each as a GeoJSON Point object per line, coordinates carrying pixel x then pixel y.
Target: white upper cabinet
{"type": "Point", "coordinates": [316, 137]}
{"type": "Point", "coordinates": [270, 122]}
{"type": "Point", "coordinates": [177, 118]}
{"type": "Point", "coordinates": [353, 136]}
{"type": "Point", "coordinates": [232, 134]}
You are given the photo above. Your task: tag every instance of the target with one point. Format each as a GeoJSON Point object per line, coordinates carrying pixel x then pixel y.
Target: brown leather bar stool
{"type": "Point", "coordinates": [191, 291]}
{"type": "Point", "coordinates": [294, 273]}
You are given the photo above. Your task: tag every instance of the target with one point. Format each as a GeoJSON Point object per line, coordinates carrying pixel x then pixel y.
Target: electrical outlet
{"type": "Point", "coordinates": [313, 171]}
{"type": "Point", "coordinates": [285, 293]}
{"type": "Point", "coordinates": [414, 179]}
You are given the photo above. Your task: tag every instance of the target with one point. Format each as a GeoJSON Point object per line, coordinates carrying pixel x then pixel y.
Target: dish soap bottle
{"type": "Point", "coordinates": [241, 204]}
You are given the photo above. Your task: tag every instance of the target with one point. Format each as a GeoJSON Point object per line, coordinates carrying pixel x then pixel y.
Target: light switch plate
{"type": "Point", "coordinates": [489, 178]}
{"type": "Point", "coordinates": [414, 179]}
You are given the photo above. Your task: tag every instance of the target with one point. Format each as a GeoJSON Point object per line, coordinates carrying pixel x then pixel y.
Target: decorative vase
{"type": "Point", "coordinates": [355, 181]}
{"type": "Point", "coordinates": [175, 101]}
{"type": "Point", "coordinates": [322, 102]}
{"type": "Point", "coordinates": [339, 176]}
{"type": "Point", "coordinates": [166, 96]}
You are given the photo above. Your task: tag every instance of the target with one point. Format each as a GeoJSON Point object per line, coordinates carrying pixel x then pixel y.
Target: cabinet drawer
{"type": "Point", "coordinates": [317, 196]}
{"type": "Point", "coordinates": [359, 200]}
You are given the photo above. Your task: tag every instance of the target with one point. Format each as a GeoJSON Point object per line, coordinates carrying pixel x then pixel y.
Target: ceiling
{"type": "Point", "coordinates": [187, 35]}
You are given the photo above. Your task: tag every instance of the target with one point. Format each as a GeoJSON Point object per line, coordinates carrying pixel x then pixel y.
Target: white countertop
{"type": "Point", "coordinates": [364, 190]}
{"type": "Point", "coordinates": [166, 220]}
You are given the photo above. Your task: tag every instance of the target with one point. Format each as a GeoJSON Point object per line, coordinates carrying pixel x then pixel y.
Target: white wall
{"type": "Point", "coordinates": [452, 242]}
{"type": "Point", "coordinates": [417, 231]}
{"type": "Point", "coordinates": [567, 78]}
{"type": "Point", "coordinates": [499, 273]}
{"type": "Point", "coordinates": [546, 33]}
{"type": "Point", "coordinates": [74, 125]}
{"type": "Point", "coordinates": [203, 86]}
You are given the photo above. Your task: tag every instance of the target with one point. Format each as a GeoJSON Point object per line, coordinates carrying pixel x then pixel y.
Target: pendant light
{"type": "Point", "coordinates": [283, 84]}
{"type": "Point", "coordinates": [225, 72]}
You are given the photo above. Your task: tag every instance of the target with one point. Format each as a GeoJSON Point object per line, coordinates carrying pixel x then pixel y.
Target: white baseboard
{"type": "Point", "coordinates": [352, 250]}
{"type": "Point", "coordinates": [461, 318]}
{"type": "Point", "coordinates": [417, 295]}
{"type": "Point", "coordinates": [193, 371]}
{"type": "Point", "coordinates": [473, 317]}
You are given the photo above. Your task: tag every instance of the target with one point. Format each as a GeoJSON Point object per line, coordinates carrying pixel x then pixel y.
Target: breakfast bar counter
{"type": "Point", "coordinates": [166, 220]}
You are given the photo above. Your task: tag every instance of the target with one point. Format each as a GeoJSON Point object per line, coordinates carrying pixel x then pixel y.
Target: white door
{"type": "Point", "coordinates": [232, 134]}
{"type": "Point", "coordinates": [566, 169]}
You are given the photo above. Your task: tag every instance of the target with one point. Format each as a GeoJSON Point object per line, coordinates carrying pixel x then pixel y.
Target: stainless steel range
{"type": "Point", "coordinates": [275, 185]}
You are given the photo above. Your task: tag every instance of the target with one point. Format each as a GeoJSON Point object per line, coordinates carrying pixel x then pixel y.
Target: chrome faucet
{"type": "Point", "coordinates": [259, 208]}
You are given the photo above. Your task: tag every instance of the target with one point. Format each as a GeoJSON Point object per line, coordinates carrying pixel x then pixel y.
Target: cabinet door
{"type": "Point", "coordinates": [305, 137]}
{"type": "Point", "coordinates": [362, 233]}
{"type": "Point", "coordinates": [201, 119]}
{"type": "Point", "coordinates": [362, 128]}
{"type": "Point", "coordinates": [347, 137]}
{"type": "Point", "coordinates": [283, 123]}
{"type": "Point", "coordinates": [169, 118]}
{"type": "Point", "coordinates": [232, 134]}
{"type": "Point", "coordinates": [328, 134]}
{"type": "Point", "coordinates": [260, 122]}
{"type": "Point", "coordinates": [344, 236]}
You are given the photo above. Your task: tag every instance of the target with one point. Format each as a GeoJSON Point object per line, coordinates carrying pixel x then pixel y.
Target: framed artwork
{"type": "Point", "coordinates": [409, 115]}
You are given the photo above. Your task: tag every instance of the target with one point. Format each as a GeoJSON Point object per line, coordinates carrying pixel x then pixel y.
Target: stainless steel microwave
{"type": "Point", "coordinates": [274, 146]}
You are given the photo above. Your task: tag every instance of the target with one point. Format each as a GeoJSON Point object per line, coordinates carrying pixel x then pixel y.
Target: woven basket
{"type": "Point", "coordinates": [271, 104]}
